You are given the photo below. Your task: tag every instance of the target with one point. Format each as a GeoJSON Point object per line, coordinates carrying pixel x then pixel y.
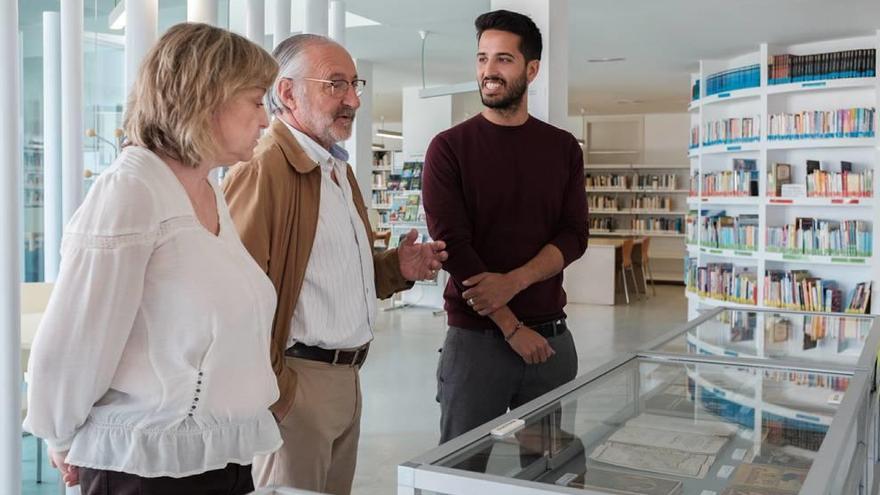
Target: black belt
{"type": "Point", "coordinates": [353, 357]}
{"type": "Point", "coordinates": [547, 330]}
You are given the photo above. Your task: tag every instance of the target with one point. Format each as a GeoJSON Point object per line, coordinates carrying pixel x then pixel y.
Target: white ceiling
{"type": "Point", "coordinates": [662, 40]}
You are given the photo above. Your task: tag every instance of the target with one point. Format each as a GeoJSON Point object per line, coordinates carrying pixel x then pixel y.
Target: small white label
{"type": "Point", "coordinates": [725, 471]}
{"type": "Point", "coordinates": [739, 454]}
{"type": "Point", "coordinates": [508, 428]}
{"type": "Point", "coordinates": [708, 492]}
{"type": "Point", "coordinates": [836, 398]}
{"type": "Point", "coordinates": [566, 478]}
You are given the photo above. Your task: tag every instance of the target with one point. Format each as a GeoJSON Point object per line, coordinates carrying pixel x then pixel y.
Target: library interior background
{"type": "Point", "coordinates": [722, 313]}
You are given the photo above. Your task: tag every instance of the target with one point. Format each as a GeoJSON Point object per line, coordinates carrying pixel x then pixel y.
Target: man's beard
{"type": "Point", "coordinates": [328, 132]}
{"type": "Point", "coordinates": [509, 100]}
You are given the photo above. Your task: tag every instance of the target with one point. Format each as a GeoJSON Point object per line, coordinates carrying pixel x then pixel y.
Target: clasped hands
{"type": "Point", "coordinates": [488, 293]}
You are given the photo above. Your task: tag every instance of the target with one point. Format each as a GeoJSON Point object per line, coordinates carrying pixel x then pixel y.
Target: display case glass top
{"type": "Point", "coordinates": [807, 338]}
{"type": "Point", "coordinates": [649, 426]}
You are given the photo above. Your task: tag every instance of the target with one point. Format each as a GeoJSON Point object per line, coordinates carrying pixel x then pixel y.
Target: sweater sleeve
{"type": "Point", "coordinates": [572, 231]}
{"type": "Point", "coordinates": [80, 341]}
{"type": "Point", "coordinates": [446, 212]}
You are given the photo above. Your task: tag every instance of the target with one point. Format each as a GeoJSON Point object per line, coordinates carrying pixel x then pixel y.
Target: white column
{"type": "Point", "coordinates": [281, 22]}
{"type": "Point", "coordinates": [548, 93]}
{"type": "Point", "coordinates": [256, 21]}
{"type": "Point", "coordinates": [52, 225]}
{"type": "Point", "coordinates": [141, 31]}
{"type": "Point", "coordinates": [337, 21]}
{"type": "Point", "coordinates": [360, 145]}
{"type": "Point", "coordinates": [71, 107]}
{"type": "Point", "coordinates": [316, 17]}
{"type": "Point", "coordinates": [10, 258]}
{"type": "Point", "coordinates": [202, 11]}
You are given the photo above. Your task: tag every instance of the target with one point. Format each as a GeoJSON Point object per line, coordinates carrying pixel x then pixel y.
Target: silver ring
{"type": "Point", "coordinates": [470, 301]}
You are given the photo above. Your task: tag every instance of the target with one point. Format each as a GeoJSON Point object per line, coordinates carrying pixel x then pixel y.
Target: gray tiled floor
{"type": "Point", "coordinates": [401, 418]}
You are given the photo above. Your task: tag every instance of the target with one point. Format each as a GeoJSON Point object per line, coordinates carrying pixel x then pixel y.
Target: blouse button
{"type": "Point", "coordinates": [198, 390]}
{"type": "Point", "coordinates": [190, 414]}
{"type": "Point", "coordinates": [196, 399]}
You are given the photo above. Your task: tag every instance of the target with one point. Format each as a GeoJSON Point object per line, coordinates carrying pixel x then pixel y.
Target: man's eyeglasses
{"type": "Point", "coordinates": [338, 87]}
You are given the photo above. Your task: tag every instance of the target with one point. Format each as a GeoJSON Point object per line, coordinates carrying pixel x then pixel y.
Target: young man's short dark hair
{"type": "Point", "coordinates": [504, 20]}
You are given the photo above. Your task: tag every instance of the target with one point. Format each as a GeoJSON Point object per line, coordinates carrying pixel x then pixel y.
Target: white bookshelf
{"type": "Point", "coordinates": [637, 144]}
{"type": "Point", "coordinates": [773, 211]}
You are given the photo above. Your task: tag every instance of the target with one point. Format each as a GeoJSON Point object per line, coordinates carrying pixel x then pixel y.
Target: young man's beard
{"type": "Point", "coordinates": [512, 99]}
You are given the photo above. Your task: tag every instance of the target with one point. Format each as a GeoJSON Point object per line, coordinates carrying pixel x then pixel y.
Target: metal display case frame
{"type": "Point", "coordinates": [846, 462]}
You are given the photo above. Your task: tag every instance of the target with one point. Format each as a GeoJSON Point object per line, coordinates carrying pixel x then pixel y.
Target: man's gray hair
{"type": "Point", "coordinates": [290, 55]}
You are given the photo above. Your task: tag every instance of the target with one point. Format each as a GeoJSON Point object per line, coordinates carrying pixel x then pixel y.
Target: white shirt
{"type": "Point", "coordinates": [153, 355]}
{"type": "Point", "coordinates": [337, 304]}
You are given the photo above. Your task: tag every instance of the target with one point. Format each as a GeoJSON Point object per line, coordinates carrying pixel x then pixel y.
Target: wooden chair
{"type": "Point", "coordinates": [644, 262]}
{"type": "Point", "coordinates": [626, 263]}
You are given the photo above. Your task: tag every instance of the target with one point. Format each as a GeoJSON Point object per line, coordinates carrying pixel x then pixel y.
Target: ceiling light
{"type": "Point", "coordinates": [117, 17]}
{"type": "Point", "coordinates": [354, 20]}
{"type": "Point", "coordinates": [389, 134]}
{"type": "Point", "coordinates": [606, 59]}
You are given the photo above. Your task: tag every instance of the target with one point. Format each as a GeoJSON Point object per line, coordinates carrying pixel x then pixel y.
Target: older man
{"type": "Point", "coordinates": [301, 215]}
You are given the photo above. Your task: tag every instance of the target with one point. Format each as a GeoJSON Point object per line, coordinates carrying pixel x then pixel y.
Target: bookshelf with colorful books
{"type": "Point", "coordinates": [792, 153]}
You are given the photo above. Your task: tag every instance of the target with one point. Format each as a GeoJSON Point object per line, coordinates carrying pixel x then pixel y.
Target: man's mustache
{"type": "Point", "coordinates": [345, 112]}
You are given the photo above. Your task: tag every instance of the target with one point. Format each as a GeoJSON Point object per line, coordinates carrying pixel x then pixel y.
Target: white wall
{"type": "Point", "coordinates": [423, 118]}
{"type": "Point", "coordinates": [666, 137]}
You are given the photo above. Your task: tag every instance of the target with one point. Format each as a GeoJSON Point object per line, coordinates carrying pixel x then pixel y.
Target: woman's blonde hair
{"type": "Point", "coordinates": [191, 71]}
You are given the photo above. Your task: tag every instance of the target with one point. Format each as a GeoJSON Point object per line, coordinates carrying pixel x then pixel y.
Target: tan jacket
{"type": "Point", "coordinates": [274, 200]}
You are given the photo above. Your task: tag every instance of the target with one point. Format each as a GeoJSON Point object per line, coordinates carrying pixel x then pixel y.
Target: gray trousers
{"type": "Point", "coordinates": [480, 377]}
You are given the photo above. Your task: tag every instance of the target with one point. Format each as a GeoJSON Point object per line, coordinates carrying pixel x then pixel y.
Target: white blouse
{"type": "Point", "coordinates": [153, 355]}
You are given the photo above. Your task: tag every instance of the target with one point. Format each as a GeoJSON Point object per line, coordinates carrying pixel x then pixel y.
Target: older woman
{"type": "Point", "coordinates": [150, 373]}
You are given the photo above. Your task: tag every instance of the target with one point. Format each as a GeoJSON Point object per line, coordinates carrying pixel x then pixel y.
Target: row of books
{"type": "Point", "coordinates": [723, 281]}
{"type": "Point", "coordinates": [725, 183]}
{"type": "Point", "coordinates": [647, 224]}
{"type": "Point", "coordinates": [631, 181]}
{"type": "Point", "coordinates": [823, 183]}
{"type": "Point", "coordinates": [734, 79]}
{"type": "Point", "coordinates": [822, 124]}
{"type": "Point", "coordinates": [847, 331]}
{"type": "Point", "coordinates": [797, 290]}
{"type": "Point", "coordinates": [651, 203]}
{"type": "Point", "coordinates": [608, 181]}
{"type": "Point", "coordinates": [695, 138]}
{"type": "Point", "coordinates": [787, 68]}
{"type": "Point", "coordinates": [383, 197]}
{"type": "Point", "coordinates": [729, 232]}
{"type": "Point", "coordinates": [657, 224]}
{"type": "Point", "coordinates": [634, 205]}
{"type": "Point", "coordinates": [734, 130]}
{"type": "Point", "coordinates": [846, 184]}
{"type": "Point", "coordinates": [813, 236]}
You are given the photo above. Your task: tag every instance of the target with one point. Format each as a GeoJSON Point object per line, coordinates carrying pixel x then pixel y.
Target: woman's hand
{"type": "Point", "coordinates": [69, 474]}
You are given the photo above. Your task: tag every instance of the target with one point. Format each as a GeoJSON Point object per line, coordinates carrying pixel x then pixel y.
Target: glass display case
{"type": "Point", "coordinates": [805, 339]}
{"type": "Point", "coordinates": [678, 421]}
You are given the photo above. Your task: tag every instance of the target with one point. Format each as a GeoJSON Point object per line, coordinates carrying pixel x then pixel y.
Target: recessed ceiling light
{"type": "Point", "coordinates": [606, 59]}
{"type": "Point", "coordinates": [624, 101]}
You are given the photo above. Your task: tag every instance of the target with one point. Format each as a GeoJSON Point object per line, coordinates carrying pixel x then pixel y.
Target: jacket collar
{"type": "Point", "coordinates": [296, 157]}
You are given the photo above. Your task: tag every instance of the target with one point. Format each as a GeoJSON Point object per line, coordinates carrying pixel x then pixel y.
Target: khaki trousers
{"type": "Point", "coordinates": [320, 432]}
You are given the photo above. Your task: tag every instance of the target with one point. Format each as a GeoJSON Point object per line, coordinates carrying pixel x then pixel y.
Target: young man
{"type": "Point", "coordinates": [506, 193]}
{"type": "Point", "coordinates": [300, 214]}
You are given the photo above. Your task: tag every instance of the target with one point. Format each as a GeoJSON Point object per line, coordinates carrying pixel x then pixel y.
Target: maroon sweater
{"type": "Point", "coordinates": [497, 195]}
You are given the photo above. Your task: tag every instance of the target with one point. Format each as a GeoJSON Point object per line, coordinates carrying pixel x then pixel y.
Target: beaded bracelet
{"type": "Point", "coordinates": [519, 324]}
